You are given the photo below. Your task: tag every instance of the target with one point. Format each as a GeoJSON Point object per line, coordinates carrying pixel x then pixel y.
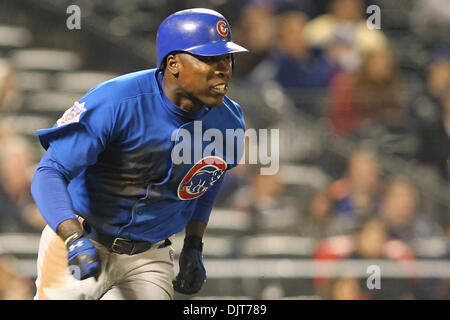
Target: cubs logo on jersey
{"type": "Point", "coordinates": [203, 175]}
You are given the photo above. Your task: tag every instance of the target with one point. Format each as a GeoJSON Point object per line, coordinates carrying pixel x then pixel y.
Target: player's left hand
{"type": "Point", "coordinates": [192, 272]}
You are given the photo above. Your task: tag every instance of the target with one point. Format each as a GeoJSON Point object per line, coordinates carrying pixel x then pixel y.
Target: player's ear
{"type": "Point", "coordinates": [172, 64]}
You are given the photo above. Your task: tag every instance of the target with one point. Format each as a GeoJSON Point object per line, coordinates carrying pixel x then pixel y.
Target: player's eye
{"type": "Point", "coordinates": [205, 59]}
{"type": "Point", "coordinates": [228, 58]}
{"type": "Point", "coordinates": [212, 59]}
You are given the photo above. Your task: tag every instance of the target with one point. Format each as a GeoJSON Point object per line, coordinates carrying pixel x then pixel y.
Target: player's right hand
{"type": "Point", "coordinates": [83, 257]}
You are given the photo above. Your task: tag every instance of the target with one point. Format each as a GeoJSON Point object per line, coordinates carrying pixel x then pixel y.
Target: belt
{"type": "Point", "coordinates": [122, 245]}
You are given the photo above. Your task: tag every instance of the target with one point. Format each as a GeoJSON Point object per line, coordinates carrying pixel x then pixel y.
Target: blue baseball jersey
{"type": "Point", "coordinates": [116, 147]}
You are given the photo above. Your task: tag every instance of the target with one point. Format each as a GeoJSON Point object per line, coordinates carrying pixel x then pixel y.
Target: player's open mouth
{"type": "Point", "coordinates": [220, 88]}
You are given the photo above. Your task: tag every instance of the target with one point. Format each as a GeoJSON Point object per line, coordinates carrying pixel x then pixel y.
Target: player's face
{"type": "Point", "coordinates": [205, 78]}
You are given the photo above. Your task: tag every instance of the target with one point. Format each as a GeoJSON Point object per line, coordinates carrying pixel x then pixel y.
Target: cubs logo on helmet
{"type": "Point", "coordinates": [222, 28]}
{"type": "Point", "coordinates": [203, 175]}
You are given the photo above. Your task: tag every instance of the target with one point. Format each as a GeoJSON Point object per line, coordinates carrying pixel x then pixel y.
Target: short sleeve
{"type": "Point", "coordinates": [82, 133]}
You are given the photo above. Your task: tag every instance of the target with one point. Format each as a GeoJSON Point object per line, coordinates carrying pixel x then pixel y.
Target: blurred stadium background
{"type": "Point", "coordinates": [364, 119]}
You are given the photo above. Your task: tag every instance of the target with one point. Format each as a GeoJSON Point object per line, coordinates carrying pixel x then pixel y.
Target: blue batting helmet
{"type": "Point", "coordinates": [198, 31]}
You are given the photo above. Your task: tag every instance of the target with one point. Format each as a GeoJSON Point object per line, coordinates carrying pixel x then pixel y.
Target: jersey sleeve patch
{"type": "Point", "coordinates": [72, 115]}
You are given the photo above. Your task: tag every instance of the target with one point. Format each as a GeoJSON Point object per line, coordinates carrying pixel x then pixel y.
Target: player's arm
{"type": "Point", "coordinates": [49, 190]}
{"type": "Point", "coordinates": [195, 228]}
{"type": "Point", "coordinates": [68, 227]}
{"type": "Point", "coordinates": [192, 273]}
{"type": "Point", "coordinates": [72, 145]}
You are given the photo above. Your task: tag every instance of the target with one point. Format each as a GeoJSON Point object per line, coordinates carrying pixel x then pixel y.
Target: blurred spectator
{"type": "Point", "coordinates": [435, 142]}
{"type": "Point", "coordinates": [13, 286]}
{"type": "Point", "coordinates": [320, 221]}
{"type": "Point", "coordinates": [299, 65]}
{"type": "Point", "coordinates": [344, 17]}
{"type": "Point", "coordinates": [428, 14]}
{"type": "Point", "coordinates": [373, 94]}
{"type": "Point", "coordinates": [6, 272]}
{"type": "Point", "coordinates": [17, 209]}
{"type": "Point", "coordinates": [312, 8]}
{"type": "Point", "coordinates": [342, 51]}
{"type": "Point", "coordinates": [19, 288]}
{"type": "Point", "coordinates": [294, 64]}
{"type": "Point", "coordinates": [431, 111]}
{"type": "Point", "coordinates": [270, 208]}
{"type": "Point", "coordinates": [357, 194]}
{"type": "Point", "coordinates": [344, 288]}
{"type": "Point", "coordinates": [444, 290]}
{"type": "Point", "coordinates": [373, 242]}
{"type": "Point", "coordinates": [400, 211]}
{"type": "Point", "coordinates": [370, 242]}
{"type": "Point", "coordinates": [425, 107]}
{"type": "Point", "coordinates": [370, 108]}
{"type": "Point", "coordinates": [255, 32]}
{"type": "Point", "coordinates": [10, 98]}
{"type": "Point", "coordinates": [391, 138]}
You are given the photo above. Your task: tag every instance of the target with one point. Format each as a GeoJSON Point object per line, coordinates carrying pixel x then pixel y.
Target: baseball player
{"type": "Point", "coordinates": [108, 187]}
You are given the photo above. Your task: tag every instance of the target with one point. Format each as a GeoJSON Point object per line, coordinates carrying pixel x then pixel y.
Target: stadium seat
{"type": "Point", "coordinates": [33, 80]}
{"type": "Point", "coordinates": [228, 222]}
{"type": "Point", "coordinates": [306, 175]}
{"type": "Point", "coordinates": [14, 37]}
{"type": "Point", "coordinates": [50, 101]}
{"type": "Point", "coordinates": [214, 246]}
{"type": "Point", "coordinates": [275, 245]}
{"type": "Point", "coordinates": [82, 81]}
{"type": "Point", "coordinates": [29, 123]}
{"type": "Point", "coordinates": [45, 59]}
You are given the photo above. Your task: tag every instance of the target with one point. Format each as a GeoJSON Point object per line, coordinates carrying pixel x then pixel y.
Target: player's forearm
{"type": "Point", "coordinates": [49, 190]}
{"type": "Point", "coordinates": [195, 228]}
{"type": "Point", "coordinates": [68, 227]}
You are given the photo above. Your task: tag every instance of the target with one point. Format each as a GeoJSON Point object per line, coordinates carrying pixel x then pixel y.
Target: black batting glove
{"type": "Point", "coordinates": [192, 274]}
